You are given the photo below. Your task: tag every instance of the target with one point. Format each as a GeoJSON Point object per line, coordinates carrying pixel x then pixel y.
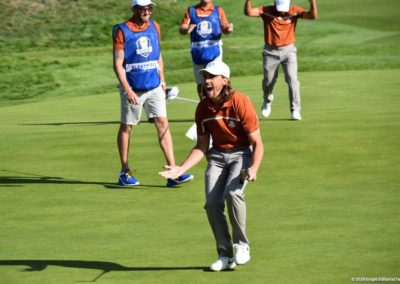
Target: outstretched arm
{"type": "Point", "coordinates": [249, 10]}
{"type": "Point", "coordinates": [192, 159]}
{"type": "Point", "coordinates": [312, 13]}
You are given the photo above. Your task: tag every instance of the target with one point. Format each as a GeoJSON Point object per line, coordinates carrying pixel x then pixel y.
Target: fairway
{"type": "Point", "coordinates": [324, 208]}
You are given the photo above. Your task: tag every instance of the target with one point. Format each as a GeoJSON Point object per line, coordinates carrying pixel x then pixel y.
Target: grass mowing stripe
{"type": "Point", "coordinates": [45, 61]}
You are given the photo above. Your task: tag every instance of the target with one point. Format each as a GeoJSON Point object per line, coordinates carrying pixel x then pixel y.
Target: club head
{"type": "Point", "coordinates": [172, 93]}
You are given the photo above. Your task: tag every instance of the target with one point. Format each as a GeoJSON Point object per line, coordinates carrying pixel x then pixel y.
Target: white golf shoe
{"type": "Point", "coordinates": [223, 263]}
{"type": "Point", "coordinates": [266, 107]}
{"type": "Point", "coordinates": [295, 115]}
{"type": "Point", "coordinates": [242, 254]}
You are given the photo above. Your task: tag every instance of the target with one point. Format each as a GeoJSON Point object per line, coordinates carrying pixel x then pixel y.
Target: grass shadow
{"type": "Point", "coordinates": [275, 119]}
{"type": "Point", "coordinates": [103, 266]}
{"type": "Point", "coordinates": [16, 181]}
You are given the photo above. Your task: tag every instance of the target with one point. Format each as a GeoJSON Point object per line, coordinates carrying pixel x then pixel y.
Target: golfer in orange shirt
{"type": "Point", "coordinates": [229, 118]}
{"type": "Point", "coordinates": [280, 22]}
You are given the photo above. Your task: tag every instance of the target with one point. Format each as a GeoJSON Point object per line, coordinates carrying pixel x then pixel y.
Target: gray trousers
{"type": "Point", "coordinates": [222, 185]}
{"type": "Point", "coordinates": [272, 58]}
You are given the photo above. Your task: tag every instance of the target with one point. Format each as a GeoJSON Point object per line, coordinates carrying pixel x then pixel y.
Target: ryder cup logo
{"type": "Point", "coordinates": [231, 124]}
{"type": "Point", "coordinates": [204, 29]}
{"type": "Point", "coordinates": [143, 46]}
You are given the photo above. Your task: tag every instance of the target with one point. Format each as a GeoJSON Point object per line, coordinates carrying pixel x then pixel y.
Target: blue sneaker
{"type": "Point", "coordinates": [126, 179]}
{"type": "Point", "coordinates": [181, 179]}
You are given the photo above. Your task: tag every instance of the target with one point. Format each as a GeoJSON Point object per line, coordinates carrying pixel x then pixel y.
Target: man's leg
{"type": "Point", "coordinates": [215, 183]}
{"type": "Point", "coordinates": [290, 71]}
{"type": "Point", "coordinates": [234, 194]}
{"type": "Point", "coordinates": [125, 177]}
{"type": "Point", "coordinates": [130, 115]}
{"type": "Point", "coordinates": [165, 139]}
{"type": "Point", "coordinates": [156, 111]}
{"type": "Point", "coordinates": [271, 63]}
{"type": "Point", "coordinates": [236, 205]}
{"type": "Point", "coordinates": [123, 141]}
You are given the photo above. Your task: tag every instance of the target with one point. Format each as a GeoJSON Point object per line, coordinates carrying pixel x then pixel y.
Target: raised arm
{"type": "Point", "coordinates": [312, 13]}
{"type": "Point", "coordinates": [227, 27]}
{"type": "Point", "coordinates": [186, 27]}
{"type": "Point", "coordinates": [250, 11]}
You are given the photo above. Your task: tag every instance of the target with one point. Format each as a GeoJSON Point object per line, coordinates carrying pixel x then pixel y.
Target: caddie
{"type": "Point", "coordinates": [139, 67]}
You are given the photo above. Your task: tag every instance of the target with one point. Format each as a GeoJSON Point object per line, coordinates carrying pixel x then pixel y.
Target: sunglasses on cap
{"type": "Point", "coordinates": [142, 9]}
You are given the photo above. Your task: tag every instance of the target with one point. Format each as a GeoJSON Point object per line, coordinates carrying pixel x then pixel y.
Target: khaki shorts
{"type": "Point", "coordinates": [152, 101]}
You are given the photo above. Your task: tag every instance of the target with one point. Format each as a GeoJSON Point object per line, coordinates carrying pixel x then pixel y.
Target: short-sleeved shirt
{"type": "Point", "coordinates": [119, 39]}
{"type": "Point", "coordinates": [205, 12]}
{"type": "Point", "coordinates": [280, 30]}
{"type": "Point", "coordinates": [230, 125]}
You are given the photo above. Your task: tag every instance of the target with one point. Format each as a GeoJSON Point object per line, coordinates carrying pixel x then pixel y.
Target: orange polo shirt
{"type": "Point", "coordinates": [280, 30]}
{"type": "Point", "coordinates": [119, 40]}
{"type": "Point", "coordinates": [230, 125]}
{"type": "Point", "coordinates": [205, 12]}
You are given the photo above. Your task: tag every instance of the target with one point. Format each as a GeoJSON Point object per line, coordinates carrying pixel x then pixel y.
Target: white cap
{"type": "Point", "coordinates": [142, 3]}
{"type": "Point", "coordinates": [217, 67]}
{"type": "Point", "coordinates": [282, 5]}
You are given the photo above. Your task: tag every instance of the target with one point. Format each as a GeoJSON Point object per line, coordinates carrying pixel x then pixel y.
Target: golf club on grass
{"type": "Point", "coordinates": [172, 94]}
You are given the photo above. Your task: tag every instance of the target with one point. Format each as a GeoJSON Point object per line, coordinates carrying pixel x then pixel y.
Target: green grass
{"type": "Point", "coordinates": [324, 208]}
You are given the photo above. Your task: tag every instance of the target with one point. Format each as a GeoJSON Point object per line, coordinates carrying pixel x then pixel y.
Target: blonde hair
{"type": "Point", "coordinates": [226, 92]}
